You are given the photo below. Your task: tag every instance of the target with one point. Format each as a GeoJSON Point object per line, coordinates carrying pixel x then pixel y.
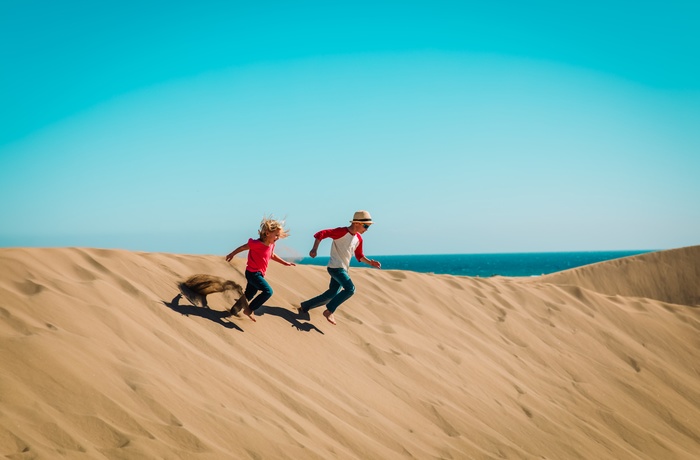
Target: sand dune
{"type": "Point", "coordinates": [100, 358]}
{"type": "Point", "coordinates": [671, 276]}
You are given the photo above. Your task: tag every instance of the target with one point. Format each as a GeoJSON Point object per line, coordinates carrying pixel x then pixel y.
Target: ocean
{"type": "Point", "coordinates": [485, 265]}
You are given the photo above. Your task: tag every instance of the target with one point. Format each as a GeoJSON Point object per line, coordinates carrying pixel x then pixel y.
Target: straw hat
{"type": "Point", "coordinates": [362, 217]}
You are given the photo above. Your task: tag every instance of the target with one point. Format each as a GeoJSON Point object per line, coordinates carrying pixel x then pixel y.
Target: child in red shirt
{"type": "Point", "coordinates": [260, 251]}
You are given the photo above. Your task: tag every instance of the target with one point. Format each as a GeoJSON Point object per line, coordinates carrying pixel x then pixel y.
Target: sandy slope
{"type": "Point", "coordinates": [671, 276]}
{"type": "Point", "coordinates": [100, 359]}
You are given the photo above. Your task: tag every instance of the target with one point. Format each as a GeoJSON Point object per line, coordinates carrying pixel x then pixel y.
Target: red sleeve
{"type": "Point", "coordinates": [334, 233]}
{"type": "Point", "coordinates": [358, 250]}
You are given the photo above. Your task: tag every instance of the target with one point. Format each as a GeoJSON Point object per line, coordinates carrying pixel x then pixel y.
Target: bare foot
{"type": "Point", "coordinates": [249, 313]}
{"type": "Point", "coordinates": [329, 316]}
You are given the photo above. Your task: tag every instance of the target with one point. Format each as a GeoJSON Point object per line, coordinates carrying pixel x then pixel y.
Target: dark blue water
{"type": "Point", "coordinates": [484, 265]}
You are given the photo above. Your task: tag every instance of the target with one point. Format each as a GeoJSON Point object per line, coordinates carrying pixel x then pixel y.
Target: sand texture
{"type": "Point", "coordinates": [100, 357]}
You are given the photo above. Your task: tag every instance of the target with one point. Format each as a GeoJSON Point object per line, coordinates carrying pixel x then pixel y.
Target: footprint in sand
{"type": "Point", "coordinates": [443, 424]}
{"type": "Point", "coordinates": [373, 353]}
{"type": "Point", "coordinates": [352, 318]}
{"type": "Point", "coordinates": [92, 261]}
{"type": "Point", "coordinates": [455, 284]}
{"type": "Point", "coordinates": [100, 433]}
{"type": "Point", "coordinates": [83, 274]}
{"type": "Point", "coordinates": [29, 287]}
{"type": "Point", "coordinates": [527, 411]}
{"type": "Point", "coordinates": [633, 363]}
{"type": "Point", "coordinates": [60, 437]}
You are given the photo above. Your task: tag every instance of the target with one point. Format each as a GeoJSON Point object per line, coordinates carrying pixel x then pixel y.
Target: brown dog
{"type": "Point", "coordinates": [196, 288]}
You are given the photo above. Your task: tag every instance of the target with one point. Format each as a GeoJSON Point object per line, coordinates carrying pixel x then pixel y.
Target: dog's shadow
{"type": "Point", "coordinates": [219, 317]}
{"type": "Point", "coordinates": [288, 316]}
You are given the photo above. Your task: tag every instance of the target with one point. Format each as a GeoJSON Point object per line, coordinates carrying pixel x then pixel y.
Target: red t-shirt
{"type": "Point", "coordinates": [259, 255]}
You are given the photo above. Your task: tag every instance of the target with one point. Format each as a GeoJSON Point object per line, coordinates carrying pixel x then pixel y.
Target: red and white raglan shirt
{"type": "Point", "coordinates": [344, 244]}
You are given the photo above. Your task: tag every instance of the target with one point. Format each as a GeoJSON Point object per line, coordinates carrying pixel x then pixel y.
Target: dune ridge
{"type": "Point", "coordinates": [671, 276]}
{"type": "Point", "coordinates": [101, 358]}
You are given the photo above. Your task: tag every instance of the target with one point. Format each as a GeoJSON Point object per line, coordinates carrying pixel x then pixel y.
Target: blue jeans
{"type": "Point", "coordinates": [256, 282]}
{"type": "Point", "coordinates": [334, 296]}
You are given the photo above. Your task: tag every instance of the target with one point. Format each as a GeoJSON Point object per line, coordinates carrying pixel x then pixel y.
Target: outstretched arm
{"type": "Point", "coordinates": [239, 249]}
{"type": "Point", "coordinates": [277, 258]}
{"type": "Point", "coordinates": [374, 263]}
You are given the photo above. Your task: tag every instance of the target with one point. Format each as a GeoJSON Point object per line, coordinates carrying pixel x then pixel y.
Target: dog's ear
{"type": "Point", "coordinates": [228, 284]}
{"type": "Point", "coordinates": [194, 297]}
{"type": "Point", "coordinates": [237, 287]}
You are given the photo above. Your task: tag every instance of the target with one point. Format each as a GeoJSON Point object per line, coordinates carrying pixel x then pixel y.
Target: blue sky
{"type": "Point", "coordinates": [463, 127]}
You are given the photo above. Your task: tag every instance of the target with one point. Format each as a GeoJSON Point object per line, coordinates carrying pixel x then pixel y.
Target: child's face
{"type": "Point", "coordinates": [361, 228]}
{"type": "Point", "coordinates": [273, 236]}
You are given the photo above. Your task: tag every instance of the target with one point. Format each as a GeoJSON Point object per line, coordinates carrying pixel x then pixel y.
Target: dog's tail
{"type": "Point", "coordinates": [232, 285]}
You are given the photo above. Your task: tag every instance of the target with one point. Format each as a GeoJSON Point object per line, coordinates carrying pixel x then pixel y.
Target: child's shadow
{"type": "Point", "coordinates": [288, 316]}
{"type": "Point", "coordinates": [212, 315]}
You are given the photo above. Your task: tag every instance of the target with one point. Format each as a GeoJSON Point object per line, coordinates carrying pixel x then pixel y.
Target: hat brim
{"type": "Point", "coordinates": [361, 222]}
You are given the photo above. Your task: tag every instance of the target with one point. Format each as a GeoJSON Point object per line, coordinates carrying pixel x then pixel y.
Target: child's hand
{"type": "Point", "coordinates": [312, 253]}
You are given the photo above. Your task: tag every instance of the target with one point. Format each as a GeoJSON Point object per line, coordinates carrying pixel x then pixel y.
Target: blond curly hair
{"type": "Point", "coordinates": [269, 225]}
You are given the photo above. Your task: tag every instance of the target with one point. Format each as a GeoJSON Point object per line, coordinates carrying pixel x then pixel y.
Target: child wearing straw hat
{"type": "Point", "coordinates": [346, 242]}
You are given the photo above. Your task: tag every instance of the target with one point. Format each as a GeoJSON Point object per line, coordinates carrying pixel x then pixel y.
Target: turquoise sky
{"type": "Point", "coordinates": [463, 127]}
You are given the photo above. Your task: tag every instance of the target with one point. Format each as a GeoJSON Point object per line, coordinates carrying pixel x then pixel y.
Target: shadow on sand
{"type": "Point", "coordinates": [289, 316]}
{"type": "Point", "coordinates": [219, 317]}
{"type": "Point", "coordinates": [222, 317]}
